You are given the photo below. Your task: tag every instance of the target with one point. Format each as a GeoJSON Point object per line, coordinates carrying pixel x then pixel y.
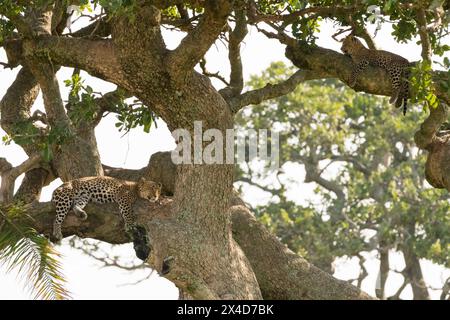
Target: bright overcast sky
{"type": "Point", "coordinates": [87, 280]}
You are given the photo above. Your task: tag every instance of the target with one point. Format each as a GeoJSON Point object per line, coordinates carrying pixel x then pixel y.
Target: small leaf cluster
{"type": "Point", "coordinates": [81, 103]}
{"type": "Point", "coordinates": [27, 133]}
{"type": "Point", "coordinates": [133, 115]}
{"type": "Point", "coordinates": [421, 84]}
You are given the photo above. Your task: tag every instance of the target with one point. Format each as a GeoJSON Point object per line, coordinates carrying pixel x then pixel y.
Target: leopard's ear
{"type": "Point", "coordinates": [159, 184]}
{"type": "Point", "coordinates": [141, 180]}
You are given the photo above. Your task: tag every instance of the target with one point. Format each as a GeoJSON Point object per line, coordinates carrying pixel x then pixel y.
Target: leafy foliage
{"type": "Point", "coordinates": [82, 103]}
{"type": "Point", "coordinates": [400, 14]}
{"type": "Point", "coordinates": [421, 85]}
{"type": "Point", "coordinates": [26, 133]}
{"type": "Point", "coordinates": [83, 107]}
{"type": "Point", "coordinates": [22, 249]}
{"type": "Point", "coordinates": [133, 115]}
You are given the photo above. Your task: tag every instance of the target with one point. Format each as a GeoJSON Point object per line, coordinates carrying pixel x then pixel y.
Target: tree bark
{"type": "Point", "coordinates": [215, 247]}
{"type": "Point", "coordinates": [413, 270]}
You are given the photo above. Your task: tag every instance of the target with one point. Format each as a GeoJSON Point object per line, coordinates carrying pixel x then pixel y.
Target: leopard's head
{"type": "Point", "coordinates": [149, 190]}
{"type": "Point", "coordinates": [351, 45]}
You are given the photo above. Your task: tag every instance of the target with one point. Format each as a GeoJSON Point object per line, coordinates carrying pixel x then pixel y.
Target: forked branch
{"type": "Point", "coordinates": [9, 174]}
{"type": "Point", "coordinates": [197, 42]}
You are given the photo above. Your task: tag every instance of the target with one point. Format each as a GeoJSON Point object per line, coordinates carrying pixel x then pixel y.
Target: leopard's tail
{"type": "Point", "coordinates": [403, 94]}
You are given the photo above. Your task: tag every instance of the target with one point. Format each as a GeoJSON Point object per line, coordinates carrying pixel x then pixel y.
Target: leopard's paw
{"type": "Point", "coordinates": [56, 236]}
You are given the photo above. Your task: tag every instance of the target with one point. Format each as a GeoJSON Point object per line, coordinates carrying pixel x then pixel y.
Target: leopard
{"type": "Point", "coordinates": [75, 194]}
{"type": "Point", "coordinates": [396, 66]}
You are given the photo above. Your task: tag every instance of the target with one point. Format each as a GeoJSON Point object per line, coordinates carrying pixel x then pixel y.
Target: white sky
{"type": "Point", "coordinates": [87, 281]}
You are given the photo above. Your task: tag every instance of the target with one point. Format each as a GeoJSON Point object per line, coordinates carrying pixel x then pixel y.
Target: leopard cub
{"type": "Point", "coordinates": [76, 194]}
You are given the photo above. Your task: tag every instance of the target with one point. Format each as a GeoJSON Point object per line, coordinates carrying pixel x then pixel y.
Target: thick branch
{"type": "Point", "coordinates": [94, 56]}
{"type": "Point", "coordinates": [423, 33]}
{"type": "Point", "coordinates": [271, 91]}
{"type": "Point", "coordinates": [195, 45]}
{"type": "Point", "coordinates": [15, 110]}
{"type": "Point", "coordinates": [234, 55]}
{"type": "Point", "coordinates": [31, 187]}
{"type": "Point", "coordinates": [9, 174]}
{"type": "Point", "coordinates": [16, 103]}
{"type": "Point", "coordinates": [73, 157]}
{"type": "Point", "coordinates": [6, 187]}
{"type": "Point", "coordinates": [372, 80]}
{"type": "Point", "coordinates": [45, 72]}
{"type": "Point", "coordinates": [428, 129]}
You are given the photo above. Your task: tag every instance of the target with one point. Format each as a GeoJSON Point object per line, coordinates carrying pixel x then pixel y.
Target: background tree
{"type": "Point", "coordinates": [362, 157]}
{"type": "Point", "coordinates": [123, 44]}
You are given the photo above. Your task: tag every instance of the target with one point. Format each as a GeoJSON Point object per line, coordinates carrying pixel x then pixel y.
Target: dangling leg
{"type": "Point", "coordinates": [395, 72]}
{"type": "Point", "coordinates": [138, 234]}
{"type": "Point", "coordinates": [127, 215]}
{"type": "Point", "coordinates": [80, 201]}
{"type": "Point", "coordinates": [63, 204]}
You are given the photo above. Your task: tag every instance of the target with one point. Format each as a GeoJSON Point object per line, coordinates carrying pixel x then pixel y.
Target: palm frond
{"type": "Point", "coordinates": [24, 250]}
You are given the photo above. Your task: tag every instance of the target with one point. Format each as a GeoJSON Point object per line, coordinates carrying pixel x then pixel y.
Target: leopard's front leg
{"type": "Point", "coordinates": [127, 215]}
{"type": "Point", "coordinates": [358, 67]}
{"type": "Point", "coordinates": [63, 205]}
{"type": "Point", "coordinates": [137, 233]}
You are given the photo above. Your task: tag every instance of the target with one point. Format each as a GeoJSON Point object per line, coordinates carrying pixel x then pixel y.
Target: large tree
{"type": "Point", "coordinates": [217, 248]}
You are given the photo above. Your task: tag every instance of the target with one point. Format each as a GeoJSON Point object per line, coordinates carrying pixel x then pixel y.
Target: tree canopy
{"type": "Point", "coordinates": [217, 249]}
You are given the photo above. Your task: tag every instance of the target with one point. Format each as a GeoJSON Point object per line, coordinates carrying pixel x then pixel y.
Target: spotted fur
{"type": "Point", "coordinates": [395, 65]}
{"type": "Point", "coordinates": [76, 194]}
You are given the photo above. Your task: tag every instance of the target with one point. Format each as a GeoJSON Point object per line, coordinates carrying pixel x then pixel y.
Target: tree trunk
{"type": "Point", "coordinates": [190, 232]}
{"type": "Point", "coordinates": [383, 272]}
{"type": "Point", "coordinates": [413, 271]}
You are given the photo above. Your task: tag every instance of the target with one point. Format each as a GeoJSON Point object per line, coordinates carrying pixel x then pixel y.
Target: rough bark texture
{"type": "Point", "coordinates": [217, 249]}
